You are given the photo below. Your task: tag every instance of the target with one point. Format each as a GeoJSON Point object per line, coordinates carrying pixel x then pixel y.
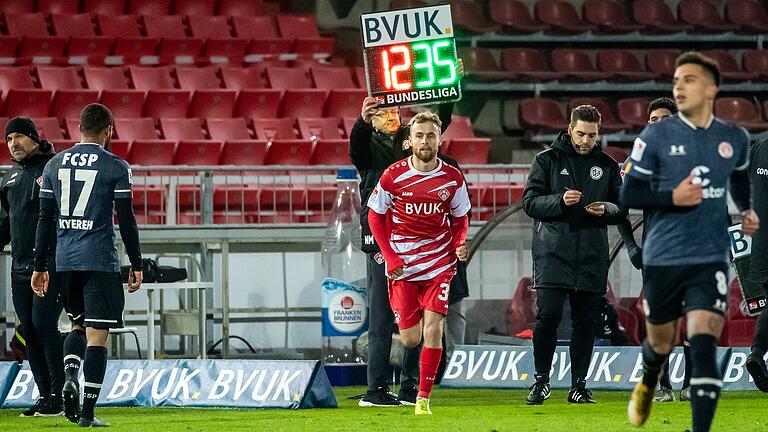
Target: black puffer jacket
{"type": "Point", "coordinates": [20, 201]}
{"type": "Point", "coordinates": [570, 246]}
{"type": "Point", "coordinates": [372, 152]}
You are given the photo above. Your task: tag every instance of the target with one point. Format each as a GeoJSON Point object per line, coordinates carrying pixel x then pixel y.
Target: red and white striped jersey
{"type": "Point", "coordinates": [419, 204]}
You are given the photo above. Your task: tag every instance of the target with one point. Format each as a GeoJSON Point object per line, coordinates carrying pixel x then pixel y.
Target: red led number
{"type": "Point", "coordinates": [392, 70]}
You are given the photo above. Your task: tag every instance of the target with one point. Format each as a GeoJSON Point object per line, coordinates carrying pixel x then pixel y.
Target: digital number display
{"type": "Point", "coordinates": [413, 73]}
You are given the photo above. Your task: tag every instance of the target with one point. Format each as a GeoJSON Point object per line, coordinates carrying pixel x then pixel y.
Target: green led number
{"type": "Point", "coordinates": [444, 63]}
{"type": "Point", "coordinates": [426, 64]}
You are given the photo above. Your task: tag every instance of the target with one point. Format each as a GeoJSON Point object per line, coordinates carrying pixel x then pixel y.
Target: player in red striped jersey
{"type": "Point", "coordinates": [419, 219]}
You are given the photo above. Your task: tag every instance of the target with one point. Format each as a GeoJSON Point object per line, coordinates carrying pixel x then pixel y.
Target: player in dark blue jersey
{"type": "Point", "coordinates": [82, 188]}
{"type": "Point", "coordinates": [679, 171]}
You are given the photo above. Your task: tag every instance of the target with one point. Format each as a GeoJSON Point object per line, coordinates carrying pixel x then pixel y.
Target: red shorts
{"type": "Point", "coordinates": [408, 299]}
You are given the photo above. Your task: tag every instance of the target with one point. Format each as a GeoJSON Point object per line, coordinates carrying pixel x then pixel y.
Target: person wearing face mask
{"type": "Point", "coordinates": [377, 140]}
{"type": "Point", "coordinates": [572, 193]}
{"type": "Point", "coordinates": [19, 198]}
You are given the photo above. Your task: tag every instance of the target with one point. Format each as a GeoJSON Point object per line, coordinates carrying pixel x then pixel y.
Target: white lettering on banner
{"type": "Point", "coordinates": [282, 386]}
{"type": "Point", "coordinates": [222, 385]}
{"type": "Point", "coordinates": [564, 366]}
{"type": "Point", "coordinates": [592, 362]}
{"type": "Point", "coordinates": [240, 388]}
{"type": "Point", "coordinates": [604, 367]}
{"type": "Point", "coordinates": [121, 384]}
{"type": "Point", "coordinates": [455, 366]}
{"type": "Point", "coordinates": [398, 26]}
{"type": "Point", "coordinates": [21, 385]}
{"type": "Point", "coordinates": [487, 375]}
{"type": "Point", "coordinates": [512, 365]}
{"type": "Point", "coordinates": [421, 95]}
{"type": "Point", "coordinates": [508, 360]}
{"type": "Point", "coordinates": [475, 366]}
{"type": "Point", "coordinates": [676, 368]}
{"type": "Point", "coordinates": [735, 369]}
{"type": "Point", "coordinates": [183, 384]}
{"type": "Point", "coordinates": [155, 392]}
{"type": "Point", "coordinates": [637, 371]}
{"type": "Point", "coordinates": [265, 394]}
{"type": "Point", "coordinates": [220, 388]}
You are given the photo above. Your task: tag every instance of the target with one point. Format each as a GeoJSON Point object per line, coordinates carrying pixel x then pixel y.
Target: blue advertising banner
{"type": "Point", "coordinates": [512, 367]}
{"type": "Point", "coordinates": [195, 383]}
{"type": "Point", "coordinates": [735, 376]}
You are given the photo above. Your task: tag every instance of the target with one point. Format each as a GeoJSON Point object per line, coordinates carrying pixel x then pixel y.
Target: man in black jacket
{"type": "Point", "coordinates": [19, 198]}
{"type": "Point", "coordinates": [758, 266]}
{"type": "Point", "coordinates": [571, 192]}
{"type": "Point", "coordinates": [377, 140]}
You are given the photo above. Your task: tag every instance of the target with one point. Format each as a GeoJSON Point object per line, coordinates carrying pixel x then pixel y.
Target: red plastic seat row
{"type": "Point", "coordinates": [311, 103]}
{"type": "Point", "coordinates": [149, 7]}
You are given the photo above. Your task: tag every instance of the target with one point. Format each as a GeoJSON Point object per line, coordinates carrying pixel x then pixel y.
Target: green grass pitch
{"type": "Point", "coordinates": [454, 410]}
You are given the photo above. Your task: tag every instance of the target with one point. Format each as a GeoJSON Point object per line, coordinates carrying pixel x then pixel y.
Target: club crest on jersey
{"type": "Point", "coordinates": [638, 149]}
{"type": "Point", "coordinates": [443, 194]}
{"type": "Point", "coordinates": [39, 181]}
{"type": "Point", "coordinates": [379, 258]}
{"type": "Point", "coordinates": [725, 149]}
{"type": "Point", "coordinates": [595, 172]}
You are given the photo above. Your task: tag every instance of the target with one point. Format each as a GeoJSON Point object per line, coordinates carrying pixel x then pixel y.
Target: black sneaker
{"type": "Point", "coordinates": [71, 396]}
{"type": "Point", "coordinates": [92, 423]}
{"type": "Point", "coordinates": [580, 395]}
{"type": "Point", "coordinates": [31, 411]}
{"type": "Point", "coordinates": [52, 407]}
{"type": "Point", "coordinates": [756, 368]}
{"type": "Point", "coordinates": [381, 397]}
{"type": "Point", "coordinates": [539, 392]}
{"type": "Point", "coordinates": [407, 396]}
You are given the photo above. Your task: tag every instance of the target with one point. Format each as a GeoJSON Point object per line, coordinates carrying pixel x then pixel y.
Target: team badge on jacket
{"type": "Point", "coordinates": [596, 172]}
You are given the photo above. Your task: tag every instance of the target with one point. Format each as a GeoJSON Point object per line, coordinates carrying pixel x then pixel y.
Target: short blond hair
{"type": "Point", "coordinates": [427, 116]}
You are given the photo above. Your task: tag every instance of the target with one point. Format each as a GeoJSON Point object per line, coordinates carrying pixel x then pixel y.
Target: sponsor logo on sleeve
{"type": "Point", "coordinates": [638, 149]}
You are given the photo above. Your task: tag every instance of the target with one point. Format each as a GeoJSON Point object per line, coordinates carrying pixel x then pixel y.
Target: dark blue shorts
{"type": "Point", "coordinates": [672, 291]}
{"type": "Point", "coordinates": [93, 299]}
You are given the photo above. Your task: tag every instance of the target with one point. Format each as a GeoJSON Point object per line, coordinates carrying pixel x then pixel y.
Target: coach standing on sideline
{"type": "Point", "coordinates": [376, 141]}
{"type": "Point", "coordinates": [572, 193]}
{"type": "Point", "coordinates": [19, 197]}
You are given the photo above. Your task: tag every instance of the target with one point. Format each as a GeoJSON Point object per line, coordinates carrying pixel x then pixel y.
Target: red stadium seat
{"type": "Point", "coordinates": [259, 103]}
{"type": "Point", "coordinates": [132, 129]}
{"type": "Point", "coordinates": [15, 7]}
{"type": "Point", "coordinates": [753, 61]}
{"type": "Point", "coordinates": [182, 129]}
{"type": "Point", "coordinates": [69, 103]}
{"type": "Point", "coordinates": [49, 128]}
{"type": "Point", "coordinates": [196, 8]}
{"type": "Point", "coordinates": [236, 197]}
{"type": "Point", "coordinates": [102, 78]}
{"type": "Point", "coordinates": [43, 50]}
{"type": "Point", "coordinates": [632, 111]}
{"type": "Point", "coordinates": [195, 78]}
{"type": "Point", "coordinates": [151, 152]}
{"type": "Point", "coordinates": [470, 150]}
{"type": "Point", "coordinates": [331, 152]}
{"type": "Point", "coordinates": [123, 103]}
{"type": "Point", "coordinates": [527, 64]}
{"type": "Point", "coordinates": [149, 78]}
{"type": "Point", "coordinates": [29, 25]}
{"type": "Point", "coordinates": [460, 127]}
{"type": "Point", "coordinates": [243, 152]}
{"type": "Point", "coordinates": [235, 8]}
{"type": "Point", "coordinates": [561, 16]}
{"type": "Point", "coordinates": [749, 15]}
{"type": "Point", "coordinates": [15, 78]}
{"type": "Point", "coordinates": [704, 16]}
{"type": "Point", "coordinates": [236, 78]}
{"type": "Point", "coordinates": [105, 7]}
{"type": "Point", "coordinates": [289, 152]}
{"type": "Point", "coordinates": [514, 16]}
{"type": "Point", "coordinates": [55, 78]}
{"type": "Point", "coordinates": [616, 153]}
{"type": "Point", "coordinates": [121, 148]}
{"type": "Point", "coordinates": [270, 129]}
{"type": "Point", "coordinates": [656, 15]}
{"type": "Point", "coordinates": [344, 103]}
{"type": "Point", "coordinates": [500, 195]}
{"type": "Point", "coordinates": [72, 126]}
{"type": "Point", "coordinates": [94, 48]}
{"type": "Point", "coordinates": [609, 16]}
{"type": "Point", "coordinates": [360, 77]}
{"type": "Point", "coordinates": [269, 47]}
{"type": "Point", "coordinates": [209, 27]}
{"type": "Point", "coordinates": [348, 123]}
{"type": "Point", "coordinates": [213, 104]}
{"type": "Point", "coordinates": [225, 50]}
{"type": "Point", "coordinates": [622, 65]}
{"type": "Point", "coordinates": [740, 111]}
{"type": "Point", "coordinates": [479, 64]}
{"type": "Point", "coordinates": [609, 122]}
{"type": "Point", "coordinates": [662, 62]}
{"type": "Point", "coordinates": [304, 103]}
{"type": "Point", "coordinates": [166, 103]}
{"type": "Point", "coordinates": [58, 6]}
{"type": "Point", "coordinates": [78, 25]}
{"type": "Point", "coordinates": [170, 26]}
{"type": "Point", "coordinates": [576, 65]}
{"type": "Point", "coordinates": [319, 128]}
{"type": "Point", "coordinates": [9, 46]}
{"type": "Point", "coordinates": [288, 78]}
{"type": "Point", "coordinates": [228, 129]}
{"type": "Point", "coordinates": [149, 7]}
{"type": "Point", "coordinates": [541, 114]}
{"type": "Point", "coordinates": [729, 69]}
{"type": "Point", "coordinates": [148, 198]}
{"type": "Point", "coordinates": [330, 78]}
{"type": "Point", "coordinates": [256, 27]}
{"type": "Point", "coordinates": [521, 314]}
{"type": "Point", "coordinates": [133, 49]}
{"type": "Point", "coordinates": [303, 29]}
{"type": "Point", "coordinates": [197, 153]}
{"type": "Point", "coordinates": [469, 16]}
{"type": "Point", "coordinates": [124, 26]}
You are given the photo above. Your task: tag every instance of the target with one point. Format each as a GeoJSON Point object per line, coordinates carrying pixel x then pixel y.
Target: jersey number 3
{"type": "Point", "coordinates": [88, 177]}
